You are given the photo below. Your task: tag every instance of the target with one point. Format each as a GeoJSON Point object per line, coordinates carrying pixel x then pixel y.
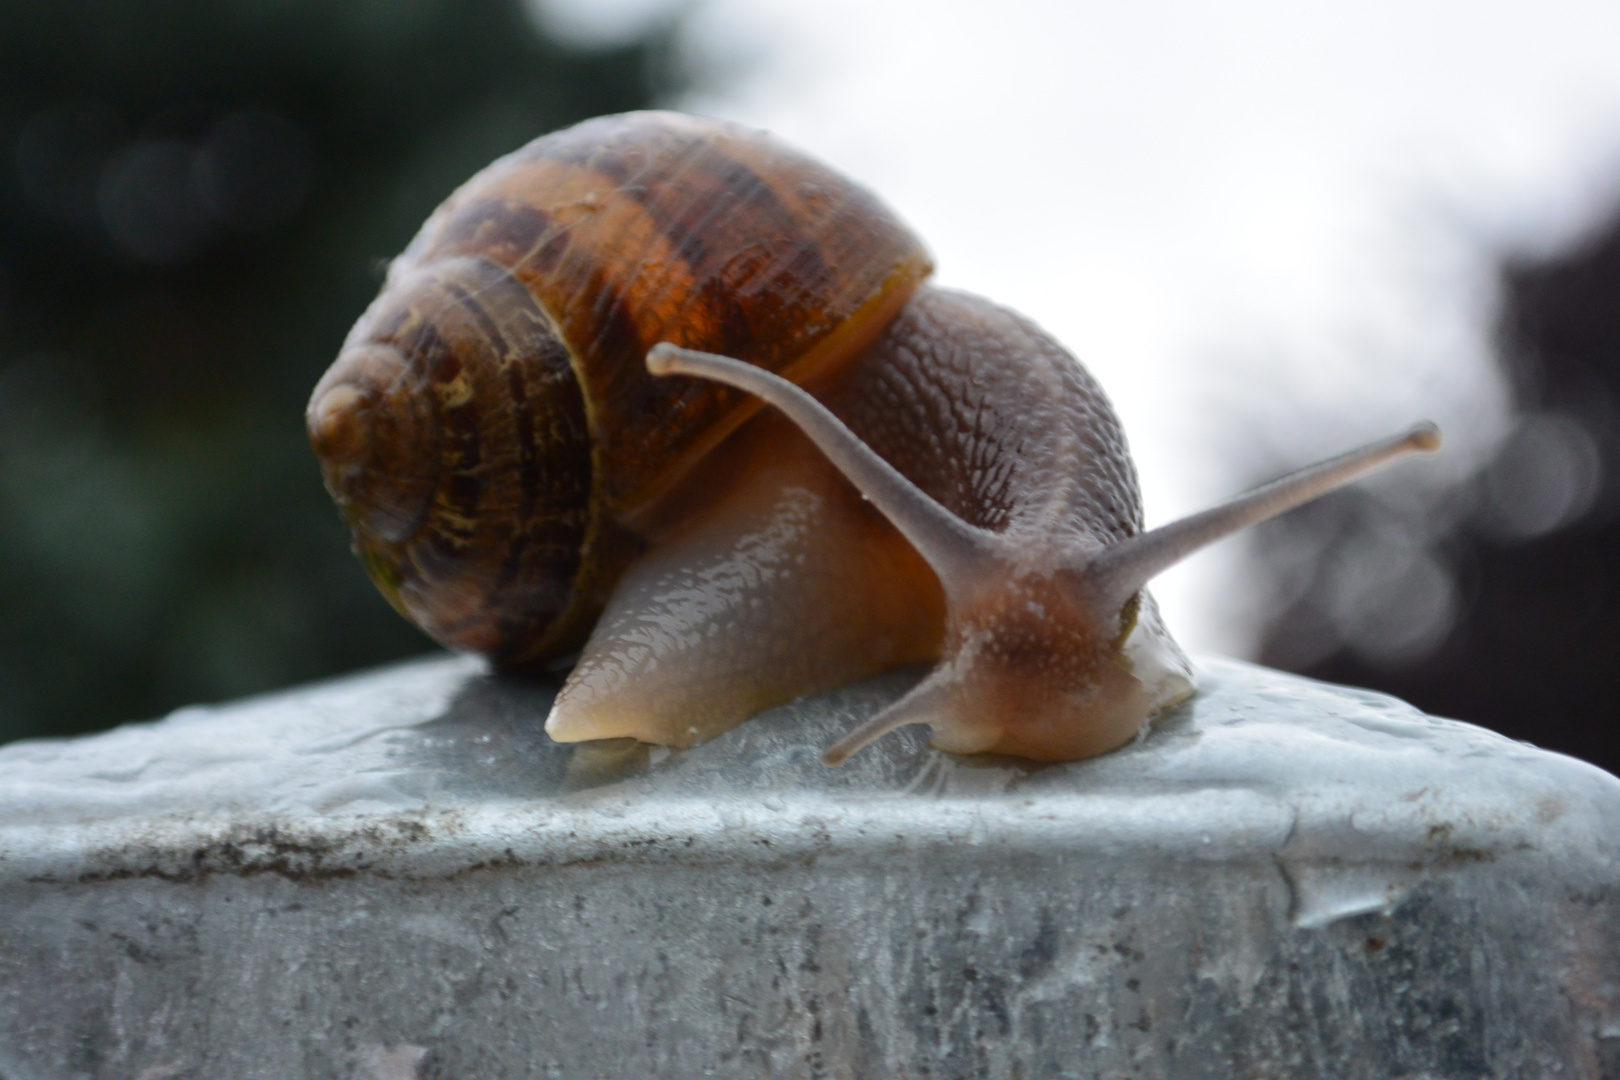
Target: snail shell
{"type": "Point", "coordinates": [495, 426]}
{"type": "Point", "coordinates": [953, 486]}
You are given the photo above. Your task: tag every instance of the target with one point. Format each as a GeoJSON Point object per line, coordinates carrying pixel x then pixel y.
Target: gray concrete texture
{"type": "Point", "coordinates": [399, 877]}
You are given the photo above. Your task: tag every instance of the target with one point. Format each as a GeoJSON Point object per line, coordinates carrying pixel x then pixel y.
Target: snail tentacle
{"type": "Point", "coordinates": [955, 549]}
{"type": "Point", "coordinates": [1118, 572]}
{"type": "Point", "coordinates": [923, 704]}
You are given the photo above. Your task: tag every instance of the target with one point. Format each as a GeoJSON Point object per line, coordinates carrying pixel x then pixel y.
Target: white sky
{"type": "Point", "coordinates": [1267, 227]}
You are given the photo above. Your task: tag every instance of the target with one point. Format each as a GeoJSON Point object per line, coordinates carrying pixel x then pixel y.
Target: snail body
{"type": "Point", "coordinates": [939, 479]}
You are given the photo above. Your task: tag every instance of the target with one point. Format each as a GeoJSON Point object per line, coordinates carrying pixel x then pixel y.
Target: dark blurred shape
{"type": "Point", "coordinates": [195, 198]}
{"type": "Point", "coordinates": [254, 170]}
{"type": "Point", "coordinates": [60, 153]}
{"type": "Point", "coordinates": [149, 202]}
{"type": "Point", "coordinates": [1533, 543]}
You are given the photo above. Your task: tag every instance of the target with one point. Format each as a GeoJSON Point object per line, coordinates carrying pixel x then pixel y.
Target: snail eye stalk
{"type": "Point", "coordinates": [952, 547]}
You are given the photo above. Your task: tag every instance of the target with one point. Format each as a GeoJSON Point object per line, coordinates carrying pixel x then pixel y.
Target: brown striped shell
{"type": "Point", "coordinates": [490, 430]}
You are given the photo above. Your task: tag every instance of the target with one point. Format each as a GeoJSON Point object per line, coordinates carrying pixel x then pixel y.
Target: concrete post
{"type": "Point", "coordinates": [398, 876]}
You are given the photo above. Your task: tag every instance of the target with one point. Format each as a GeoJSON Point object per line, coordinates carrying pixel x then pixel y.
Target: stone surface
{"type": "Point", "coordinates": [399, 876]}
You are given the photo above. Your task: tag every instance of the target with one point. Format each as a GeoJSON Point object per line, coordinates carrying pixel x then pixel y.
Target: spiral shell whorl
{"type": "Point", "coordinates": [452, 432]}
{"type": "Point", "coordinates": [374, 436]}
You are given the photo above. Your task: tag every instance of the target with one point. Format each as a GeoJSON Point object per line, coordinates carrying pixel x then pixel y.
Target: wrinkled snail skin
{"type": "Point", "coordinates": [546, 433]}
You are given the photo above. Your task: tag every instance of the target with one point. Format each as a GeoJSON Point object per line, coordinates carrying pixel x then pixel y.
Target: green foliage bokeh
{"type": "Point", "coordinates": [164, 536]}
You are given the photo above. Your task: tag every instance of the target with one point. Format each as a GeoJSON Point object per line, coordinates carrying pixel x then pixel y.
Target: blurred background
{"type": "Point", "coordinates": [1272, 230]}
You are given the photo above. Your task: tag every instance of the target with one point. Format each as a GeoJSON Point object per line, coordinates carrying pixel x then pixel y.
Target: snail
{"type": "Point", "coordinates": [548, 434]}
